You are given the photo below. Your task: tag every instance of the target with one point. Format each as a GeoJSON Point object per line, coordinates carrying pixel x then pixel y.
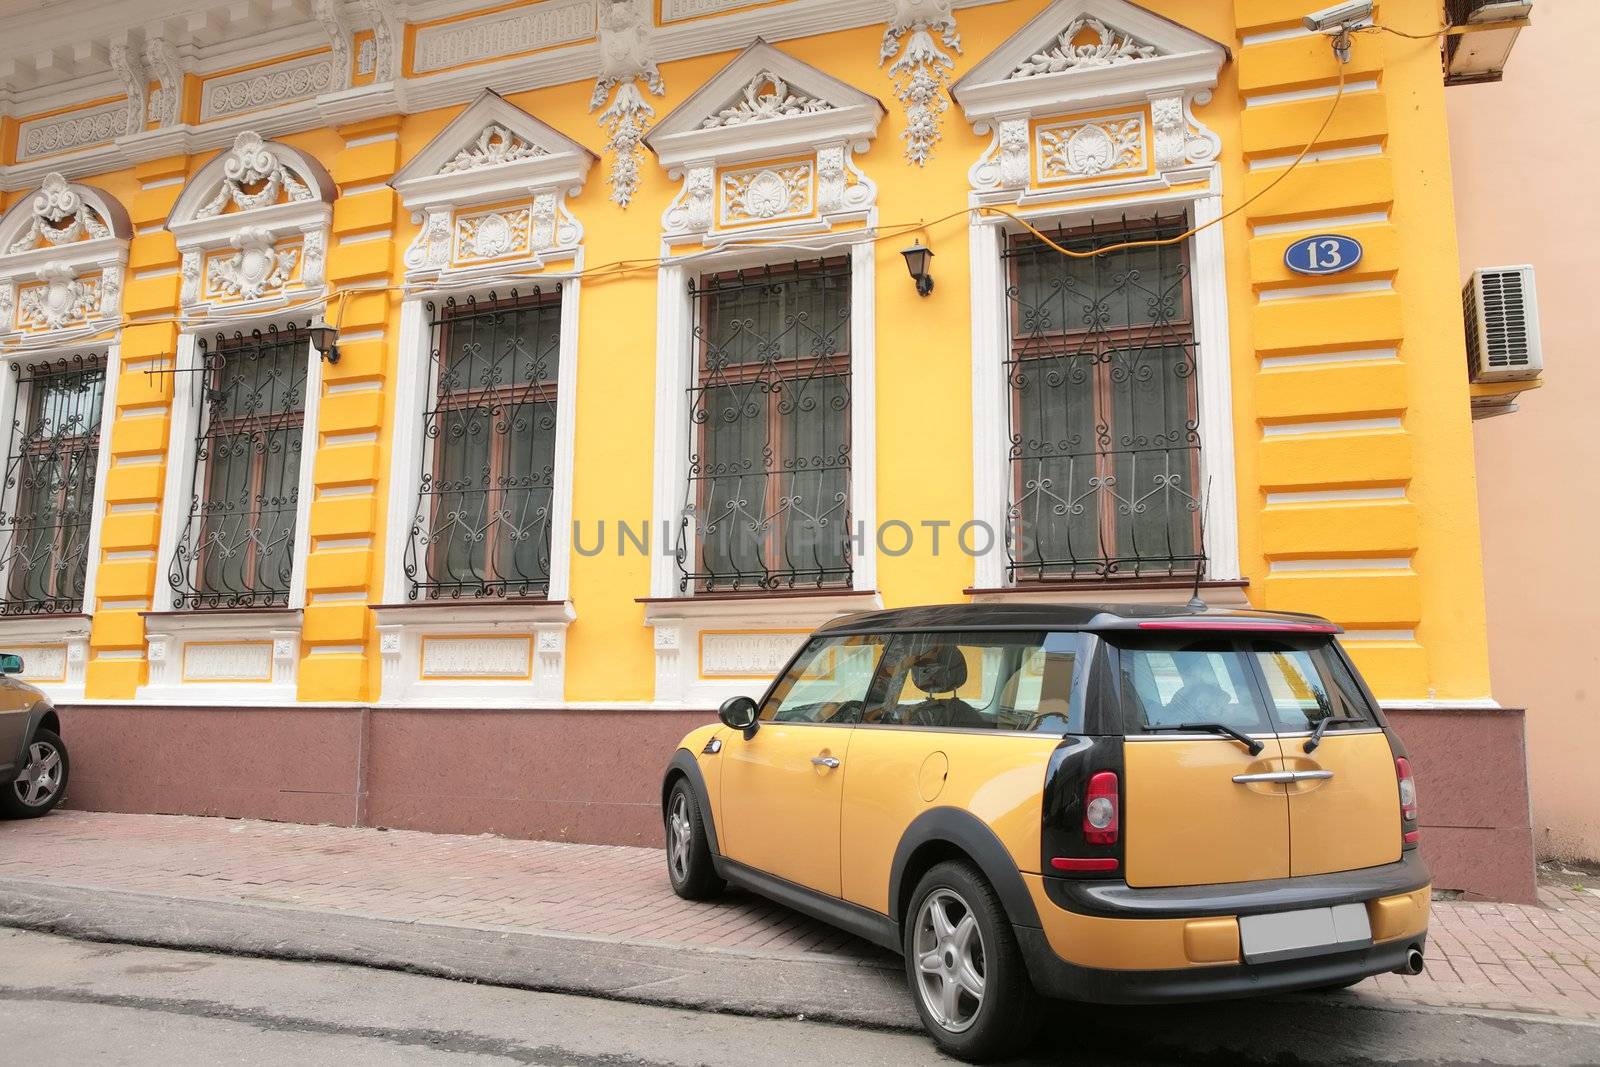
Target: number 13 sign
{"type": "Point", "coordinates": [1326, 253]}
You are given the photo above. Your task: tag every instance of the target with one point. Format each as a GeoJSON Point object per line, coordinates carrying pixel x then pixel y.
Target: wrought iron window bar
{"type": "Point", "coordinates": [236, 548]}
{"type": "Point", "coordinates": [49, 493]}
{"type": "Point", "coordinates": [485, 491]}
{"type": "Point", "coordinates": [1104, 421]}
{"type": "Point", "coordinates": [767, 505]}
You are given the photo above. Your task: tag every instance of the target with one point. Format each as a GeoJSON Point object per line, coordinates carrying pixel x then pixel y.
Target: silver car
{"type": "Point", "coordinates": [33, 758]}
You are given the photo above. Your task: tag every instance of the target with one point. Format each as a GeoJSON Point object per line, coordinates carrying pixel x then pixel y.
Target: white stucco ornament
{"type": "Point", "coordinates": [626, 62]}
{"type": "Point", "coordinates": [254, 268]}
{"type": "Point", "coordinates": [253, 177]}
{"type": "Point", "coordinates": [1085, 43]}
{"type": "Point", "coordinates": [921, 72]}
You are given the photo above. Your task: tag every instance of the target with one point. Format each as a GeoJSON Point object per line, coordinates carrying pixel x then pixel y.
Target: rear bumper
{"type": "Point", "coordinates": [1055, 977]}
{"type": "Point", "coordinates": [1107, 942]}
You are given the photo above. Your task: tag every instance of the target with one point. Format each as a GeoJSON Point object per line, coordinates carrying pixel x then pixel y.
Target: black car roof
{"type": "Point", "coordinates": [1055, 617]}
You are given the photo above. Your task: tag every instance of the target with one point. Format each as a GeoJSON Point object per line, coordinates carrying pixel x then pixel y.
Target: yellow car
{"type": "Point", "coordinates": [1125, 805]}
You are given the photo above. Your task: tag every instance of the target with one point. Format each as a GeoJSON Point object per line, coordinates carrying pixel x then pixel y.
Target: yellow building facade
{"type": "Point", "coordinates": [422, 411]}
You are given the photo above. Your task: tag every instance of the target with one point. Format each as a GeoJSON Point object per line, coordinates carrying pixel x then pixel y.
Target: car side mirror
{"type": "Point", "coordinates": [739, 713]}
{"type": "Point", "coordinates": [10, 663]}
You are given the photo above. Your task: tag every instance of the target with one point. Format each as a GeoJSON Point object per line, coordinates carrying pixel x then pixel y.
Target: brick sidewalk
{"type": "Point", "coordinates": [1510, 957]}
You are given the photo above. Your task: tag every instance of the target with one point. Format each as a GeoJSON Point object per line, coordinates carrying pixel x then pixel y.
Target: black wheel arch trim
{"type": "Point", "coordinates": [684, 763]}
{"type": "Point", "coordinates": [965, 831]}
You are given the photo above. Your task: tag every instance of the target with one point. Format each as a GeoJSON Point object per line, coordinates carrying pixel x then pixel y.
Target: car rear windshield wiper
{"type": "Point", "coordinates": [1217, 728]}
{"type": "Point", "coordinates": [1322, 725]}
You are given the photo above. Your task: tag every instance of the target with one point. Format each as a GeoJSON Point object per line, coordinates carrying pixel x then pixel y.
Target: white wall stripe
{"type": "Point", "coordinates": [376, 138]}
{"type": "Point", "coordinates": [1307, 292]}
{"type": "Point", "coordinates": [134, 509]}
{"type": "Point", "coordinates": [1289, 33]}
{"type": "Point", "coordinates": [338, 598]}
{"type": "Point", "coordinates": [131, 554]}
{"type": "Point", "coordinates": [334, 440]}
{"type": "Point", "coordinates": [136, 461]}
{"type": "Point", "coordinates": [1326, 155]}
{"type": "Point", "coordinates": [155, 272]}
{"type": "Point", "coordinates": [347, 490]}
{"type": "Point", "coordinates": [360, 335]}
{"type": "Point", "coordinates": [1326, 222]}
{"type": "Point", "coordinates": [366, 187]}
{"type": "Point", "coordinates": [124, 605]}
{"type": "Point", "coordinates": [337, 543]}
{"type": "Point", "coordinates": [1354, 355]}
{"type": "Point", "coordinates": [353, 387]}
{"type": "Point", "coordinates": [1321, 92]}
{"type": "Point", "coordinates": [1337, 496]}
{"type": "Point", "coordinates": [162, 183]}
{"type": "Point", "coordinates": [1378, 635]}
{"type": "Point", "coordinates": [120, 654]}
{"type": "Point", "coordinates": [144, 411]}
{"type": "Point", "coordinates": [337, 650]}
{"type": "Point", "coordinates": [1294, 429]}
{"type": "Point", "coordinates": [146, 231]}
{"type": "Point", "coordinates": [366, 238]}
{"type": "Point", "coordinates": [1399, 563]}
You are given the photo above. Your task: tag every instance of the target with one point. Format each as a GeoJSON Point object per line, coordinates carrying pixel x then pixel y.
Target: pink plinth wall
{"type": "Point", "coordinates": [591, 776]}
{"type": "Point", "coordinates": [594, 776]}
{"type": "Point", "coordinates": [1471, 767]}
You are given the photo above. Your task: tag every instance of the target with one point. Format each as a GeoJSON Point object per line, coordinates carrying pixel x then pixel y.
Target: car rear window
{"type": "Point", "coordinates": [1258, 685]}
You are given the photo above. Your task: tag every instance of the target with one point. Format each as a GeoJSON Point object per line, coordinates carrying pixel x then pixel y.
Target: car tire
{"type": "Point", "coordinates": [972, 939]}
{"type": "Point", "coordinates": [689, 866]}
{"type": "Point", "coordinates": [42, 780]}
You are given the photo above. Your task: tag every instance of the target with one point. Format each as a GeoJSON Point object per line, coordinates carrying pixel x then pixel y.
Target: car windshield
{"type": "Point", "coordinates": [1256, 686]}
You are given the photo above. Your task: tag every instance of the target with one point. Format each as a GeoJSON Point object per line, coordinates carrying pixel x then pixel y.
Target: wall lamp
{"type": "Point", "coordinates": [917, 257]}
{"type": "Point", "coordinates": [325, 339]}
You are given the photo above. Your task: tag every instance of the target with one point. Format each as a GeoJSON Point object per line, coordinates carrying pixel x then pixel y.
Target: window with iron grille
{"type": "Point", "coordinates": [485, 491]}
{"type": "Point", "coordinates": [1105, 443]}
{"type": "Point", "coordinates": [236, 549]}
{"type": "Point", "coordinates": [768, 504]}
{"type": "Point", "coordinates": [49, 489]}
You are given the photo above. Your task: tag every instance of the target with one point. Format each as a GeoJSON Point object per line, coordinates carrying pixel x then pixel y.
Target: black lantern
{"type": "Point", "coordinates": [917, 257]}
{"type": "Point", "coordinates": [325, 339]}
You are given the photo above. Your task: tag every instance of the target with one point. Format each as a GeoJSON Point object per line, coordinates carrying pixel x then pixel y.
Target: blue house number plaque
{"type": "Point", "coordinates": [1326, 253]}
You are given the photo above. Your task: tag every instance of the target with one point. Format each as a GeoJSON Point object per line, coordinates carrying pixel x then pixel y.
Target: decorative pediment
{"type": "Point", "coordinates": [62, 256]}
{"type": "Point", "coordinates": [766, 146]}
{"type": "Point", "coordinates": [1090, 95]}
{"type": "Point", "coordinates": [1084, 53]}
{"type": "Point", "coordinates": [252, 225]}
{"type": "Point", "coordinates": [490, 192]}
{"type": "Point", "coordinates": [763, 104]}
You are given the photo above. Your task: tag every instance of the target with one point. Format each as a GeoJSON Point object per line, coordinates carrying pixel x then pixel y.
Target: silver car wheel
{"type": "Point", "coordinates": [950, 958]}
{"type": "Point", "coordinates": [680, 836]}
{"type": "Point", "coordinates": [41, 777]}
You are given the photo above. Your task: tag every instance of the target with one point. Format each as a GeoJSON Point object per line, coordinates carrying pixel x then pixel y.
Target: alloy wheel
{"type": "Point", "coordinates": [41, 777]}
{"type": "Point", "coordinates": [951, 965]}
{"type": "Point", "coordinates": [680, 836]}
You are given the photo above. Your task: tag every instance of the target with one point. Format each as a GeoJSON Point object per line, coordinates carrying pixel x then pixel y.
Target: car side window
{"type": "Point", "coordinates": [975, 680]}
{"type": "Point", "coordinates": [1307, 685]}
{"type": "Point", "coordinates": [828, 682]}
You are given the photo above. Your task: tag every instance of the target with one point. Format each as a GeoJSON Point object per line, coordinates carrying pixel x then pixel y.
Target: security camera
{"type": "Point", "coordinates": [1339, 16]}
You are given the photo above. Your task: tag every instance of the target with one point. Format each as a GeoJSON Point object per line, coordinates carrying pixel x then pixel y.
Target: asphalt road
{"type": "Point", "coordinates": [65, 1001]}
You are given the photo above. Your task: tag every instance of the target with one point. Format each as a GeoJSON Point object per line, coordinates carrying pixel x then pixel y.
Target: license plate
{"type": "Point", "coordinates": [1287, 935]}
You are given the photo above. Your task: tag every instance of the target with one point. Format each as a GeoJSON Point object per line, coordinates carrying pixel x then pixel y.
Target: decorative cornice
{"type": "Point", "coordinates": [128, 63]}
{"type": "Point", "coordinates": [161, 63]}
{"type": "Point", "coordinates": [1108, 48]}
{"type": "Point", "coordinates": [336, 24]}
{"type": "Point", "coordinates": [765, 97]}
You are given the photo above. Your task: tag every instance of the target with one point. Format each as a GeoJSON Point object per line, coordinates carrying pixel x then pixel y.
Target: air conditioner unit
{"type": "Point", "coordinates": [1502, 314]}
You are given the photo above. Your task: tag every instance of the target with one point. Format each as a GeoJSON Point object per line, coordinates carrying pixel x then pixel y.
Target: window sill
{"type": "Point", "coordinates": [1158, 590]}
{"type": "Point", "coordinates": [473, 653]}
{"type": "Point", "coordinates": [711, 647]}
{"type": "Point", "coordinates": [231, 656]}
{"type": "Point", "coordinates": [53, 647]}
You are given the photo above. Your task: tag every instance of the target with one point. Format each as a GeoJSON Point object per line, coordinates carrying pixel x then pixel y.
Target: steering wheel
{"type": "Point", "coordinates": [849, 711]}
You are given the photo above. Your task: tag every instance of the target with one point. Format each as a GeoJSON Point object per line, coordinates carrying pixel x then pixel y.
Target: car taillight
{"type": "Point", "coordinates": [1408, 789]}
{"type": "Point", "coordinates": [1100, 816]}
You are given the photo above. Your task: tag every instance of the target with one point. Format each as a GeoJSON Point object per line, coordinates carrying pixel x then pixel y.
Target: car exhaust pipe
{"type": "Point", "coordinates": [1413, 964]}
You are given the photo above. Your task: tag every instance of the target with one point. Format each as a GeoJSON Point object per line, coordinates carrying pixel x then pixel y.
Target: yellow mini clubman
{"type": "Point", "coordinates": [1126, 805]}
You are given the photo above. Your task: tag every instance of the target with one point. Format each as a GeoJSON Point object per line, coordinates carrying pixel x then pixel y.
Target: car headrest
{"type": "Point", "coordinates": [941, 669]}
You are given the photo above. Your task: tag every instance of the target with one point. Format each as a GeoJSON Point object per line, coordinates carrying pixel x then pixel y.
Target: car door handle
{"type": "Point", "coordinates": [1282, 776]}
{"type": "Point", "coordinates": [824, 761]}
